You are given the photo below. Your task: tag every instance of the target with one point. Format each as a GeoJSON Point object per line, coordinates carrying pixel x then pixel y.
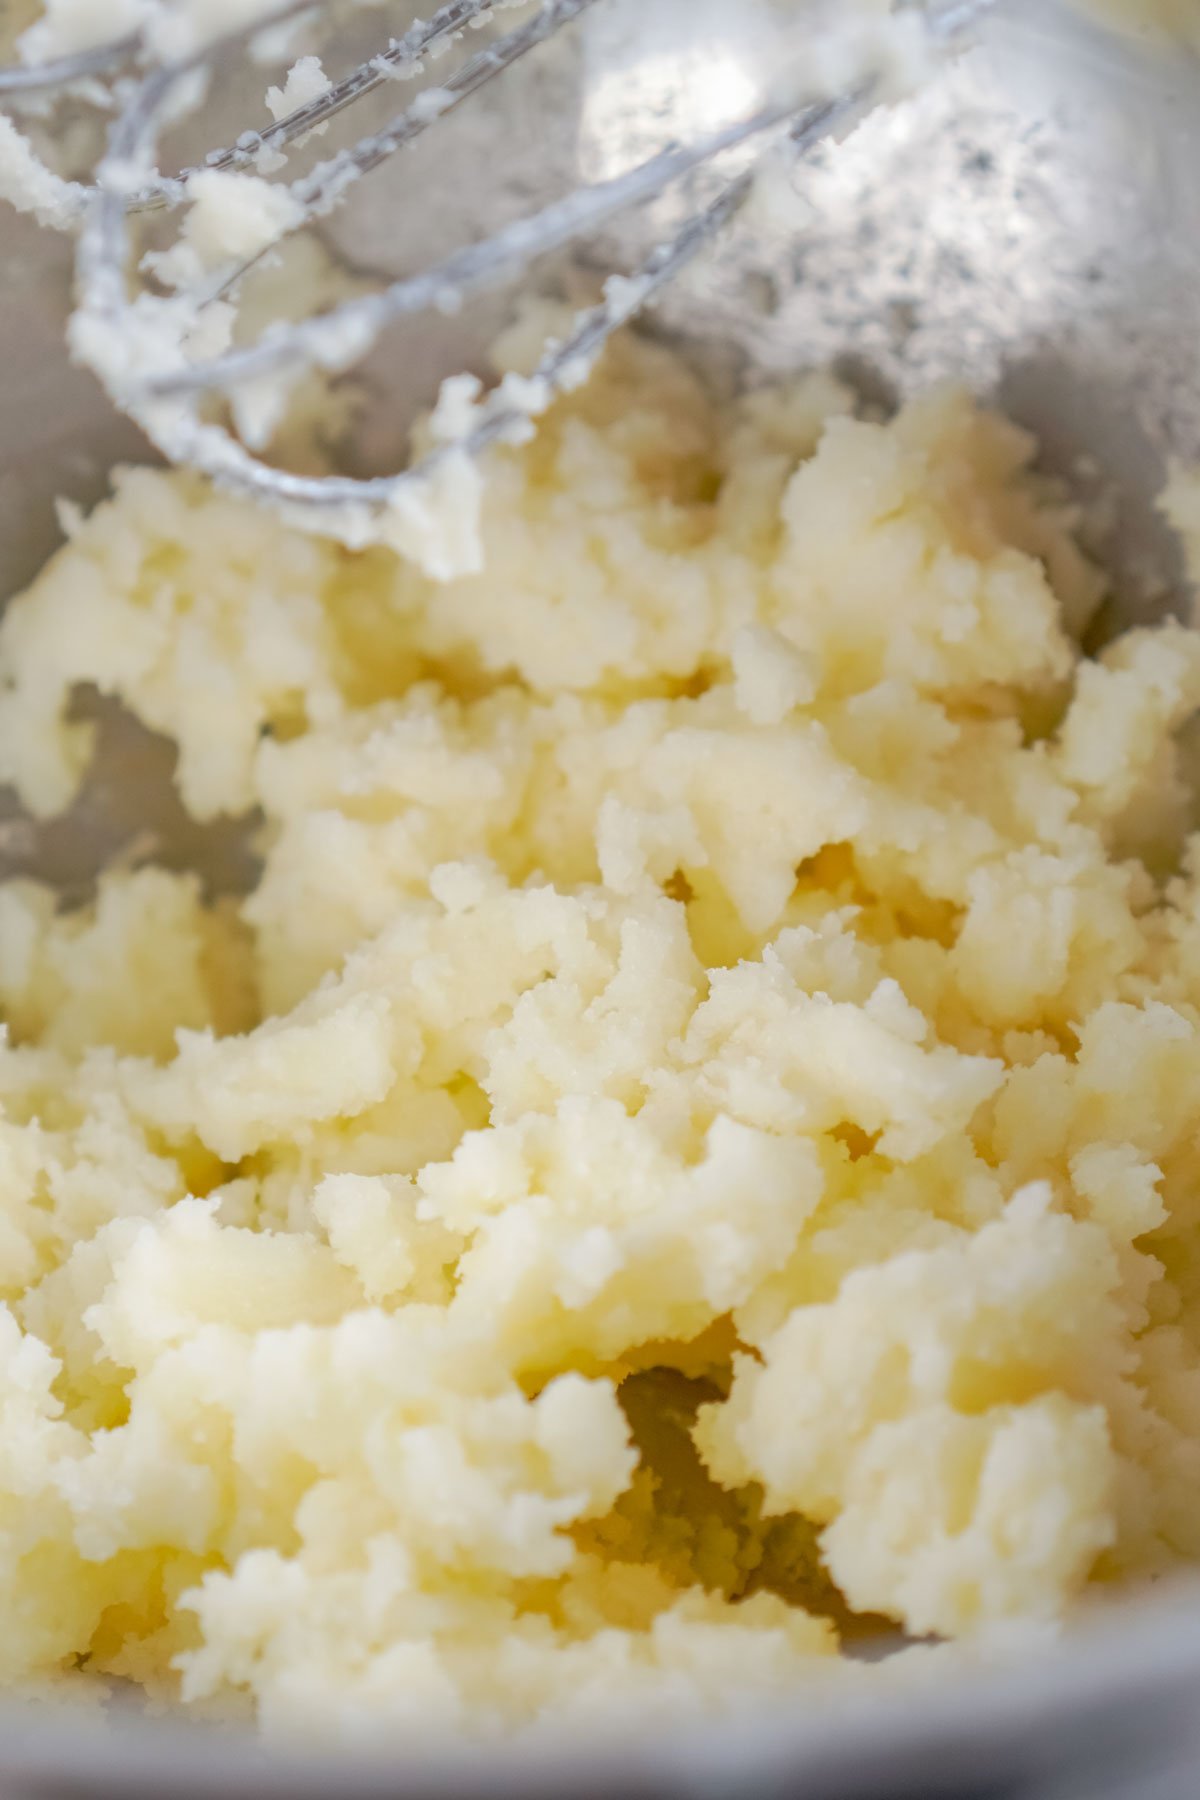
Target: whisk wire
{"type": "Point", "coordinates": [62, 71]}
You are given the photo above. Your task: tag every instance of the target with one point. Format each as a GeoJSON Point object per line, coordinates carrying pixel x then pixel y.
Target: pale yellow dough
{"type": "Point", "coordinates": [695, 1134]}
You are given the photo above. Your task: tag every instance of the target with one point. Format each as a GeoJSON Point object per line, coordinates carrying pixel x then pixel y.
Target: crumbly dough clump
{"type": "Point", "coordinates": [693, 1141]}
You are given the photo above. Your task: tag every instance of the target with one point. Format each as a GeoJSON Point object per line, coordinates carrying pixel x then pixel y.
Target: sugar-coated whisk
{"type": "Point", "coordinates": [162, 354]}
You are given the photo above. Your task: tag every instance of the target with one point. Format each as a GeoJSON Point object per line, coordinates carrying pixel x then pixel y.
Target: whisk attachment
{"type": "Point", "coordinates": [155, 352]}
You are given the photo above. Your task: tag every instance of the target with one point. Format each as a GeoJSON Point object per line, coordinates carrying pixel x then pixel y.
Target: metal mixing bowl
{"type": "Point", "coordinates": [1030, 226]}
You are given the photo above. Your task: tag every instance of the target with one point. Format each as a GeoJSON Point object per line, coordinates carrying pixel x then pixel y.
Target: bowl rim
{"type": "Point", "coordinates": [1110, 1696]}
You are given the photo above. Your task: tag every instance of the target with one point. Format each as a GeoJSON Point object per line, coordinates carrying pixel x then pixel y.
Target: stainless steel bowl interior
{"type": "Point", "coordinates": [1030, 226]}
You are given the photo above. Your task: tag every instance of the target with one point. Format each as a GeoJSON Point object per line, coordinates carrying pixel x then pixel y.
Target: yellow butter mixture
{"type": "Point", "coordinates": [690, 1152]}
